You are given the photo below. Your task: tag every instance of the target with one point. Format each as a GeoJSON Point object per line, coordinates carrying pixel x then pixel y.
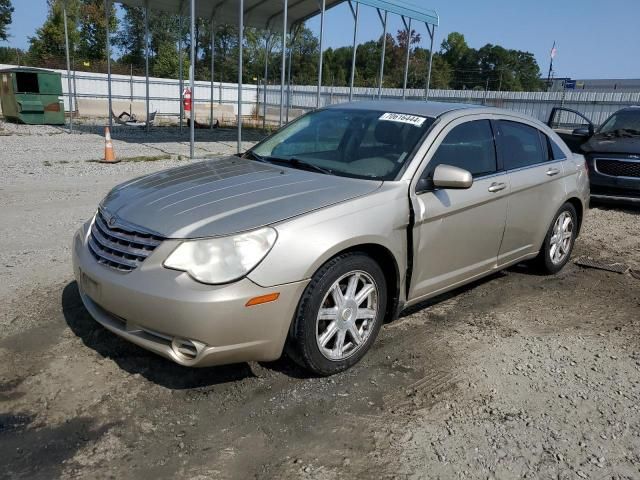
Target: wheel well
{"type": "Point", "coordinates": [389, 266]}
{"type": "Point", "coordinates": [577, 204]}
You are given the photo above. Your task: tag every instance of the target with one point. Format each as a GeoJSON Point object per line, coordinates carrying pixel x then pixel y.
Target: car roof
{"type": "Point", "coordinates": [411, 107]}
{"type": "Point", "coordinates": [630, 108]}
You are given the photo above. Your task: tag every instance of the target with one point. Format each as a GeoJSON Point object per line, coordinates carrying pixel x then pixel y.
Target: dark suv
{"type": "Point", "coordinates": [612, 151]}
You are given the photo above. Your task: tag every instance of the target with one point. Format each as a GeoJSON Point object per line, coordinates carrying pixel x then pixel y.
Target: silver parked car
{"type": "Point", "coordinates": [314, 237]}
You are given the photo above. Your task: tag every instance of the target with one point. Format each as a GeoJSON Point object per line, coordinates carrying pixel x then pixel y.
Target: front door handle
{"type": "Point", "coordinates": [496, 187]}
{"type": "Point", "coordinates": [553, 171]}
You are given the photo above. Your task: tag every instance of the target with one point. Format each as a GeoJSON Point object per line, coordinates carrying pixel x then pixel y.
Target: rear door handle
{"type": "Point", "coordinates": [496, 187]}
{"type": "Point", "coordinates": [553, 171]}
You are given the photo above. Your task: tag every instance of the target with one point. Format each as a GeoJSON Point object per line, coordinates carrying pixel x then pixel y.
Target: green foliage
{"type": "Point", "coordinates": [12, 56]}
{"type": "Point", "coordinates": [455, 66]}
{"type": "Point", "coordinates": [92, 29]}
{"type": "Point", "coordinates": [49, 41]}
{"type": "Point", "coordinates": [6, 11]}
{"type": "Point", "coordinates": [130, 37]}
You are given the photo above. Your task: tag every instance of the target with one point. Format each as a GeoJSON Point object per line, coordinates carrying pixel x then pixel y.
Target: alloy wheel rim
{"type": "Point", "coordinates": [347, 315]}
{"type": "Point", "coordinates": [561, 237]}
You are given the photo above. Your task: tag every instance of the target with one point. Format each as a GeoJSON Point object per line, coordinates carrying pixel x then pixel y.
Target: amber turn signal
{"type": "Point", "coordinates": [271, 297]}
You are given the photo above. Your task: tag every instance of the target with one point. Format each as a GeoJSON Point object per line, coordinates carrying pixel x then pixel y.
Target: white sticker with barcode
{"type": "Point", "coordinates": [414, 120]}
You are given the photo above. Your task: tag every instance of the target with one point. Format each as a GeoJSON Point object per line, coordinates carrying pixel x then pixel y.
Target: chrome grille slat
{"type": "Point", "coordinates": [122, 249]}
{"type": "Point", "coordinates": [110, 257]}
{"type": "Point", "coordinates": [121, 235]}
{"type": "Point", "coordinates": [126, 249]}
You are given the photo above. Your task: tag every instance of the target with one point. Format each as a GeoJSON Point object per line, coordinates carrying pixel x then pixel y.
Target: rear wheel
{"type": "Point", "coordinates": [558, 244]}
{"type": "Point", "coordinates": [339, 315]}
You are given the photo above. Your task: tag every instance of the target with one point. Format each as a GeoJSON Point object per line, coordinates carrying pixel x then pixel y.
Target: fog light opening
{"type": "Point", "coordinates": [184, 349]}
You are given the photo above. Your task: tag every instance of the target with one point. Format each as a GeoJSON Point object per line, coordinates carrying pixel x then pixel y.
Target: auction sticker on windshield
{"type": "Point", "coordinates": [414, 120]}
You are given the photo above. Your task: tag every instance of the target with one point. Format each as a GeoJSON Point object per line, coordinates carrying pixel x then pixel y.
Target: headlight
{"type": "Point", "coordinates": [224, 259]}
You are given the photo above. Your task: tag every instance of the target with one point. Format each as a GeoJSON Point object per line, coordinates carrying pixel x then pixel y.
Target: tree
{"type": "Point", "coordinates": [93, 31]}
{"type": "Point", "coordinates": [12, 56]}
{"type": "Point", "coordinates": [49, 42]}
{"type": "Point", "coordinates": [6, 11]}
{"type": "Point", "coordinates": [130, 37]}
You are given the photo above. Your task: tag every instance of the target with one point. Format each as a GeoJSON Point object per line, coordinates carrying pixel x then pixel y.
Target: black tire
{"type": "Point", "coordinates": [543, 262]}
{"type": "Point", "coordinates": [302, 345]}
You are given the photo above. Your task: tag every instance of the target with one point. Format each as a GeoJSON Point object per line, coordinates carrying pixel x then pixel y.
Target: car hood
{"type": "Point", "coordinates": [598, 144]}
{"type": "Point", "coordinates": [225, 196]}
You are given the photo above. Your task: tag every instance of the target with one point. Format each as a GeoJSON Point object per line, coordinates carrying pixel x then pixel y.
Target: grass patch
{"type": "Point", "coordinates": [140, 158]}
{"type": "Point", "coordinates": [147, 158]}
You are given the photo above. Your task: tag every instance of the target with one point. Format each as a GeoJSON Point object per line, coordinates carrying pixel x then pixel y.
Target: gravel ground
{"type": "Point", "coordinates": [515, 376]}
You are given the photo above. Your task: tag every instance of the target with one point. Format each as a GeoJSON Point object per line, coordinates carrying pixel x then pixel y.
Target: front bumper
{"type": "Point", "coordinates": [611, 187]}
{"type": "Point", "coordinates": [169, 313]}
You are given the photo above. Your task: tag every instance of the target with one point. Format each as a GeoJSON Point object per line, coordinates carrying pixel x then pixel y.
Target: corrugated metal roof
{"type": "Point", "coordinates": [268, 13]}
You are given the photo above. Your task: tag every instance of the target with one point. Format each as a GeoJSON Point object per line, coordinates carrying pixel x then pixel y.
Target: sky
{"type": "Point", "coordinates": [594, 39]}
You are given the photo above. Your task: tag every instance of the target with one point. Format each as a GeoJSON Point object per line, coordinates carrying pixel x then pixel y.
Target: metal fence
{"type": "Point", "coordinates": [165, 94]}
{"type": "Point", "coordinates": [596, 106]}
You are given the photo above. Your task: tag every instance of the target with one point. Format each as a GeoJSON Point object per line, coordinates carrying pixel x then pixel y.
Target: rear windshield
{"type": "Point", "coordinates": [349, 142]}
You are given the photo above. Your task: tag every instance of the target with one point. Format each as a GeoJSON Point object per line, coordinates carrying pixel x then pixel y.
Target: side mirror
{"type": "Point", "coordinates": [582, 132]}
{"type": "Point", "coordinates": [448, 176]}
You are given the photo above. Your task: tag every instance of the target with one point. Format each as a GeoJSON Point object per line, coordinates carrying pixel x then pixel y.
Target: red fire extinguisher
{"type": "Point", "coordinates": [186, 101]}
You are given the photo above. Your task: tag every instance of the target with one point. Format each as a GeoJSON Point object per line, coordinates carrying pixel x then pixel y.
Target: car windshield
{"type": "Point", "coordinates": [626, 120]}
{"type": "Point", "coordinates": [347, 142]}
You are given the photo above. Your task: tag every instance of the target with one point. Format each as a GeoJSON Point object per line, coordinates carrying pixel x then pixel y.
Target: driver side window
{"type": "Point", "coordinates": [469, 146]}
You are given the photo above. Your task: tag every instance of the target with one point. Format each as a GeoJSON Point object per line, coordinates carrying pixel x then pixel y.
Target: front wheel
{"type": "Point", "coordinates": [558, 244]}
{"type": "Point", "coordinates": [339, 315]}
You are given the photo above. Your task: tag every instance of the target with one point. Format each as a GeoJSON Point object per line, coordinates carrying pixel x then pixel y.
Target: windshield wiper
{"type": "Point", "coordinates": [297, 163]}
{"type": "Point", "coordinates": [251, 154]}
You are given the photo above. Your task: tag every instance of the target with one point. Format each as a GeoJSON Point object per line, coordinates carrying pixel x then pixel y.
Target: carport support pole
{"type": "Point", "coordinates": [240, 43]}
{"type": "Point", "coordinates": [432, 33]}
{"type": "Point", "coordinates": [294, 32]}
{"type": "Point", "coordinates": [66, 47]}
{"type": "Point", "coordinates": [213, 69]}
{"type": "Point", "coordinates": [107, 10]}
{"type": "Point", "coordinates": [264, 84]}
{"type": "Point", "coordinates": [356, 15]}
{"type": "Point", "coordinates": [192, 74]}
{"type": "Point", "coordinates": [180, 67]}
{"type": "Point", "coordinates": [284, 59]}
{"type": "Point", "coordinates": [406, 63]}
{"type": "Point", "coordinates": [146, 59]}
{"type": "Point", "coordinates": [384, 50]}
{"type": "Point", "coordinates": [323, 8]}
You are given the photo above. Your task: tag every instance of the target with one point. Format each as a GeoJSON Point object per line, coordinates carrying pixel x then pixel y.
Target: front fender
{"type": "Point", "coordinates": [306, 242]}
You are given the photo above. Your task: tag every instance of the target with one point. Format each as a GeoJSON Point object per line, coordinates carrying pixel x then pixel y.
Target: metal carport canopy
{"type": "Point", "coordinates": [266, 13]}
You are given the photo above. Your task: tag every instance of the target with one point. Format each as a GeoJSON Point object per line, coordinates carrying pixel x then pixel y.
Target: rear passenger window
{"type": "Point", "coordinates": [521, 145]}
{"type": "Point", "coordinates": [469, 146]}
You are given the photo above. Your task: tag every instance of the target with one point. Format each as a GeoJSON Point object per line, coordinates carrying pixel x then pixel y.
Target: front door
{"type": "Point", "coordinates": [457, 232]}
{"type": "Point", "coordinates": [572, 126]}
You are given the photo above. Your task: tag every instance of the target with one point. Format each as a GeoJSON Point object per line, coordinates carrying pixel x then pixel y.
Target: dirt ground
{"type": "Point", "coordinates": [515, 376]}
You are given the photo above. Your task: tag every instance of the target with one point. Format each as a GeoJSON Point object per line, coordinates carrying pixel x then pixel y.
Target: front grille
{"type": "Point", "coordinates": [120, 247]}
{"type": "Point", "coordinates": [618, 168]}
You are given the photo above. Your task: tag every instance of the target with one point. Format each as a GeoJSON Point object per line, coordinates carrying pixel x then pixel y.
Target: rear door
{"type": "Point", "coordinates": [537, 189]}
{"type": "Point", "coordinates": [457, 232]}
{"type": "Point", "coordinates": [572, 126]}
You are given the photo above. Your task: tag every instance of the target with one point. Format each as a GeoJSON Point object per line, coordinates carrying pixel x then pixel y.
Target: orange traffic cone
{"type": "Point", "coordinates": [109, 154]}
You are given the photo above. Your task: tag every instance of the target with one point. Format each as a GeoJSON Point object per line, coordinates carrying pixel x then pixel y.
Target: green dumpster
{"type": "Point", "coordinates": [32, 96]}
